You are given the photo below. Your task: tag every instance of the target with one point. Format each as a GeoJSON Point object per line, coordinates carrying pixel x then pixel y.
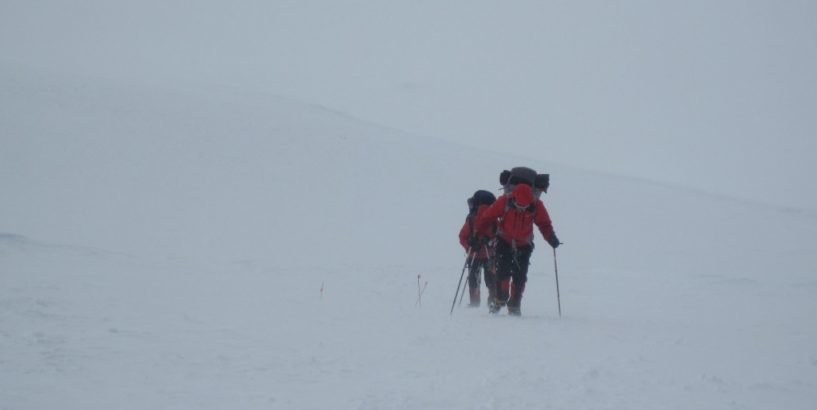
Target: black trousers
{"type": "Point", "coordinates": [512, 265]}
{"type": "Point", "coordinates": [487, 266]}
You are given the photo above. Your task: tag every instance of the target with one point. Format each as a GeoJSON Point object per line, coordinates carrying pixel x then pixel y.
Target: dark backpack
{"type": "Point", "coordinates": [480, 197]}
{"type": "Point", "coordinates": [527, 176]}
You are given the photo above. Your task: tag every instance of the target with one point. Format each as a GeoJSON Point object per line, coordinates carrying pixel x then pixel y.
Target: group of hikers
{"type": "Point", "coordinates": [498, 237]}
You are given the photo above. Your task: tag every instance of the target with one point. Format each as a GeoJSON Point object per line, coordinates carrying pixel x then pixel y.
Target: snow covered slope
{"type": "Point", "coordinates": [215, 248]}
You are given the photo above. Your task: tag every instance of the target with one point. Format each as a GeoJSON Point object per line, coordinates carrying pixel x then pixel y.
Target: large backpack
{"type": "Point", "coordinates": [480, 197]}
{"type": "Point", "coordinates": [524, 175]}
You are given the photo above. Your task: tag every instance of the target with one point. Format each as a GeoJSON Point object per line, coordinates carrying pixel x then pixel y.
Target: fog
{"type": "Point", "coordinates": [718, 96]}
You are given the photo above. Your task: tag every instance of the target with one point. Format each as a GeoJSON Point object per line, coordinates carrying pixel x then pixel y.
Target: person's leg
{"type": "Point", "coordinates": [489, 273]}
{"type": "Point", "coordinates": [519, 275]}
{"type": "Point", "coordinates": [473, 282]}
{"type": "Point", "coordinates": [504, 261]}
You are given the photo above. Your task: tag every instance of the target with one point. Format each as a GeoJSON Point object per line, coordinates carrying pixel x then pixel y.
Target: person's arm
{"type": "Point", "coordinates": [545, 225]}
{"type": "Point", "coordinates": [489, 215]}
{"type": "Point", "coordinates": [465, 232]}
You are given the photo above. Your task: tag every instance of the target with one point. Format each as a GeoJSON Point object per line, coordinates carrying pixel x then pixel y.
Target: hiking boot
{"type": "Point", "coordinates": [515, 305]}
{"type": "Point", "coordinates": [496, 305]}
{"type": "Point", "coordinates": [491, 301]}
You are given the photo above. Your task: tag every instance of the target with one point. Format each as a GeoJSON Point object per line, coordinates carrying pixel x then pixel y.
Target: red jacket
{"type": "Point", "coordinates": [485, 234]}
{"type": "Point", "coordinates": [514, 224]}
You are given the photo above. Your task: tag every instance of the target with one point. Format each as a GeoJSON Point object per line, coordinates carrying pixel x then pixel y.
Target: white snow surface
{"type": "Point", "coordinates": [176, 248]}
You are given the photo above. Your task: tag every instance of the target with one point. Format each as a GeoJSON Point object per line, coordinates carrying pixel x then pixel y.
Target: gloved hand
{"type": "Point", "coordinates": [554, 241]}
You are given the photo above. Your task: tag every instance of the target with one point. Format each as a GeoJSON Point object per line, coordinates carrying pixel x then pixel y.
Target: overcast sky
{"type": "Point", "coordinates": [717, 95]}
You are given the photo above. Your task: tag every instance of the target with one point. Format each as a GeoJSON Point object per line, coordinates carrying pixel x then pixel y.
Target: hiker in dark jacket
{"type": "Point", "coordinates": [515, 215]}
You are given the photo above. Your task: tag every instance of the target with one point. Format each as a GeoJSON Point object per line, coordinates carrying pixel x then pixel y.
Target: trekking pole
{"type": "Point", "coordinates": [556, 269]}
{"type": "Point", "coordinates": [467, 259]}
{"type": "Point", "coordinates": [486, 265]}
{"type": "Point", "coordinates": [470, 266]}
{"type": "Point", "coordinates": [462, 294]}
{"type": "Point", "coordinates": [477, 275]}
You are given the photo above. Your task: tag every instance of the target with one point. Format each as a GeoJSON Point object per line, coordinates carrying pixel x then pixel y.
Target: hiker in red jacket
{"type": "Point", "coordinates": [515, 214]}
{"type": "Point", "coordinates": [477, 242]}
